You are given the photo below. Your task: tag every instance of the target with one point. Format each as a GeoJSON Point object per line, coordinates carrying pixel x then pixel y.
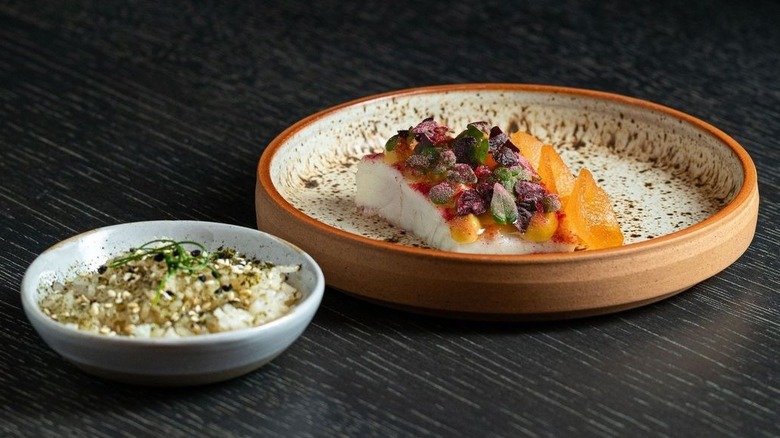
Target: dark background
{"type": "Point", "coordinates": [125, 111]}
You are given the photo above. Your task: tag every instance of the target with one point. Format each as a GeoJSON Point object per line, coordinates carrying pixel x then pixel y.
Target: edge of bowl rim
{"type": "Point", "coordinates": [31, 283]}
{"type": "Point", "coordinates": [749, 183]}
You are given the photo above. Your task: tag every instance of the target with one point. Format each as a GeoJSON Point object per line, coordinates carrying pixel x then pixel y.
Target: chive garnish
{"type": "Point", "coordinates": [176, 259]}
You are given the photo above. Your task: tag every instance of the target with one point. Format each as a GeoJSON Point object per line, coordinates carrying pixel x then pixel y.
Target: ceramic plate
{"type": "Point", "coordinates": [685, 193]}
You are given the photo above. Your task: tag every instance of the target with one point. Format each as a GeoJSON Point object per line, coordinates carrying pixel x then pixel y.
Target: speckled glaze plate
{"type": "Point", "coordinates": [685, 192]}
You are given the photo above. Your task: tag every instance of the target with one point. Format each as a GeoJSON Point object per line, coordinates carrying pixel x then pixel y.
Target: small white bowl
{"type": "Point", "coordinates": [170, 362]}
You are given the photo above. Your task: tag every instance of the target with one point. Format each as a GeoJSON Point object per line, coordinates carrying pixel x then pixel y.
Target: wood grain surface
{"type": "Point", "coordinates": [126, 111]}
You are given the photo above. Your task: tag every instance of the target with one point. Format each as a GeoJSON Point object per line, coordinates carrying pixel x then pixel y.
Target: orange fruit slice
{"type": "Point", "coordinates": [530, 147]}
{"type": "Point", "coordinates": [589, 214]}
{"type": "Point", "coordinates": [542, 227]}
{"type": "Point", "coordinates": [465, 229]}
{"type": "Point", "coordinates": [555, 174]}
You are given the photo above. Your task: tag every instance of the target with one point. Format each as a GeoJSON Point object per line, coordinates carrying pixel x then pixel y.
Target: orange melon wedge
{"type": "Point", "coordinates": [589, 214]}
{"type": "Point", "coordinates": [530, 147]}
{"type": "Point", "coordinates": [555, 174]}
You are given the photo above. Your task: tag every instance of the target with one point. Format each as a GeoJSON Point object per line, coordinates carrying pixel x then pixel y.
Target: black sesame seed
{"type": "Point", "coordinates": [169, 292]}
{"type": "Point", "coordinates": [102, 269]}
{"type": "Point", "coordinates": [227, 287]}
{"type": "Point", "coordinates": [202, 277]}
{"type": "Point", "coordinates": [195, 252]}
{"type": "Point", "coordinates": [159, 257]}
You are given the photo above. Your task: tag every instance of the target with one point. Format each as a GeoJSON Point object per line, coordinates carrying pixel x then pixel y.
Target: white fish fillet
{"type": "Point", "coordinates": [383, 191]}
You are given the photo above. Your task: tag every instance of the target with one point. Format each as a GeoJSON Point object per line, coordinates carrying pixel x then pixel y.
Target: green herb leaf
{"type": "Point", "coordinates": [502, 205]}
{"type": "Point", "coordinates": [176, 258]}
{"type": "Point", "coordinates": [473, 130]}
{"type": "Point", "coordinates": [441, 193]}
{"type": "Point", "coordinates": [508, 177]}
{"type": "Point", "coordinates": [392, 142]}
{"type": "Point", "coordinates": [480, 152]}
{"type": "Point", "coordinates": [475, 151]}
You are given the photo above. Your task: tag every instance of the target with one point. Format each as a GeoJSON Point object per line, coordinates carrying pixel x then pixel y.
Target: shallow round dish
{"type": "Point", "coordinates": [170, 362]}
{"type": "Point", "coordinates": [685, 192]}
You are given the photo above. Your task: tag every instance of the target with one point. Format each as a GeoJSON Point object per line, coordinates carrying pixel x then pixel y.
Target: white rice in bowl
{"type": "Point", "coordinates": [173, 289]}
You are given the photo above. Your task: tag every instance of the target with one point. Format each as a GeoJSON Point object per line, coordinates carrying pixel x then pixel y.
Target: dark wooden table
{"type": "Point", "coordinates": [125, 111]}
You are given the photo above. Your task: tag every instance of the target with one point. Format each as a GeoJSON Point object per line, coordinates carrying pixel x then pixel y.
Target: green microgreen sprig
{"type": "Point", "coordinates": [176, 258]}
